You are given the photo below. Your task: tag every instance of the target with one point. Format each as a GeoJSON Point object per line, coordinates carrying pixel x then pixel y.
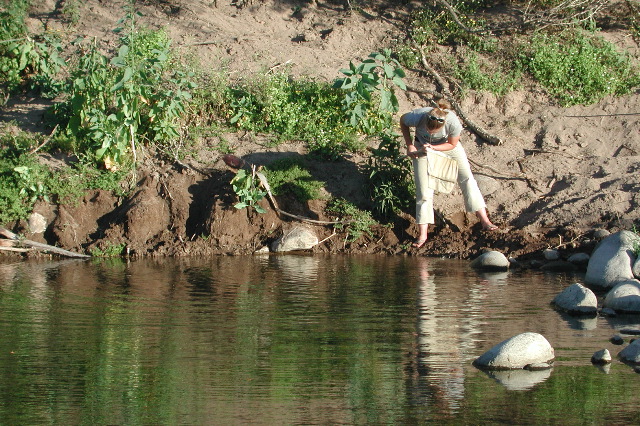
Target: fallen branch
{"type": "Point", "coordinates": [39, 246]}
{"type": "Point", "coordinates": [237, 163]}
{"type": "Point", "coordinates": [449, 97]}
{"type": "Point", "coordinates": [53, 132]}
{"type": "Point", "coordinates": [503, 175]}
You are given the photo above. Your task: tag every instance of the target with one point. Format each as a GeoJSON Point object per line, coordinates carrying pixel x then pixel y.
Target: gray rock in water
{"type": "Point", "coordinates": [603, 356]}
{"type": "Point", "coordinates": [617, 340]}
{"type": "Point", "coordinates": [636, 268]}
{"type": "Point", "coordinates": [517, 352]}
{"type": "Point", "coordinates": [491, 261]}
{"type": "Point", "coordinates": [577, 299]}
{"type": "Point", "coordinates": [631, 353]}
{"type": "Point", "coordinates": [600, 234]}
{"type": "Point", "coordinates": [579, 259]}
{"type": "Point", "coordinates": [612, 260]}
{"type": "Point", "coordinates": [624, 297]}
{"type": "Point", "coordinates": [298, 238]}
{"type": "Point", "coordinates": [551, 254]}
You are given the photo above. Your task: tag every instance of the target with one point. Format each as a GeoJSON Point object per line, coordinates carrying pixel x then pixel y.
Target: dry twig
{"type": "Point", "coordinates": [477, 129]}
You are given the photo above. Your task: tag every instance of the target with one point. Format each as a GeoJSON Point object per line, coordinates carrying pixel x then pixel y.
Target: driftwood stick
{"type": "Point", "coordinates": [477, 129]}
{"type": "Point", "coordinates": [53, 132]}
{"type": "Point", "coordinates": [39, 246]}
{"type": "Point", "coordinates": [238, 163]}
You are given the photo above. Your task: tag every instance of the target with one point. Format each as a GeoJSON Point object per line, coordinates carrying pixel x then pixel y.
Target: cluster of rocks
{"type": "Point", "coordinates": [614, 268]}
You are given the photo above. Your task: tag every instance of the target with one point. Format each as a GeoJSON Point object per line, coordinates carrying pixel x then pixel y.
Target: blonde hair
{"type": "Point", "coordinates": [440, 112]}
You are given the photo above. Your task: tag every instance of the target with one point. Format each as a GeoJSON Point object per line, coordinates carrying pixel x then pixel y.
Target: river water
{"type": "Point", "coordinates": [295, 340]}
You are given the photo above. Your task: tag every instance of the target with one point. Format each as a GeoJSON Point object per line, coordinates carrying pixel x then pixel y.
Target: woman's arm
{"type": "Point", "coordinates": [451, 143]}
{"type": "Point", "coordinates": [412, 151]}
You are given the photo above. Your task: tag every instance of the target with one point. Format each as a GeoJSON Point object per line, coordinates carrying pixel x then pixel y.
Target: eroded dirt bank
{"type": "Point", "coordinates": [560, 173]}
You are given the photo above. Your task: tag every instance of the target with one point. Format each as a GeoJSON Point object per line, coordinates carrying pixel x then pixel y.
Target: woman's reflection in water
{"type": "Point", "coordinates": [449, 313]}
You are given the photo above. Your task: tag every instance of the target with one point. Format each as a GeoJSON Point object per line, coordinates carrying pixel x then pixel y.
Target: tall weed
{"type": "Point", "coordinates": [135, 97]}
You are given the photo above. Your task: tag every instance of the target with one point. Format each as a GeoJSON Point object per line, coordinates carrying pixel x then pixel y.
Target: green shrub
{"type": "Point", "coordinates": [578, 67]}
{"type": "Point", "coordinates": [246, 185]}
{"type": "Point", "coordinates": [26, 61]}
{"type": "Point", "coordinates": [24, 179]}
{"type": "Point", "coordinates": [360, 221]}
{"type": "Point", "coordinates": [369, 96]}
{"type": "Point", "coordinates": [436, 24]}
{"type": "Point", "coordinates": [289, 176]}
{"type": "Point", "coordinates": [391, 182]}
{"type": "Point", "coordinates": [476, 75]}
{"type": "Point", "coordinates": [136, 97]}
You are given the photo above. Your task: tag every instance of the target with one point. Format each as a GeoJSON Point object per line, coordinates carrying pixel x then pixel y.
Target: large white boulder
{"type": "Point", "coordinates": [624, 297]}
{"type": "Point", "coordinates": [577, 299]}
{"type": "Point", "coordinates": [517, 352]}
{"type": "Point", "coordinates": [612, 260]}
{"type": "Point", "coordinates": [298, 238]}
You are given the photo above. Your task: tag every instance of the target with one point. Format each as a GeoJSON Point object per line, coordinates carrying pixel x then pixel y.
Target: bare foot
{"type": "Point", "coordinates": [418, 242]}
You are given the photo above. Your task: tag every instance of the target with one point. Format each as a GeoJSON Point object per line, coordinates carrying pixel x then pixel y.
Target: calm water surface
{"type": "Point", "coordinates": [295, 340]}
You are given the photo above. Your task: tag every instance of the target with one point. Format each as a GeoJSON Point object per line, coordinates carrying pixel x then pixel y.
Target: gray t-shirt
{"type": "Point", "coordinates": [418, 119]}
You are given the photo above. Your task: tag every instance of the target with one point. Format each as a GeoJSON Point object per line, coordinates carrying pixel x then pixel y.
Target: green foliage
{"type": "Point", "coordinates": [291, 109]}
{"type": "Point", "coordinates": [360, 221]}
{"type": "Point", "coordinates": [289, 176]}
{"type": "Point", "coordinates": [247, 187]}
{"type": "Point", "coordinates": [133, 98]}
{"type": "Point", "coordinates": [25, 179]}
{"type": "Point", "coordinates": [636, 244]}
{"type": "Point", "coordinates": [437, 25]}
{"type": "Point", "coordinates": [578, 67]}
{"type": "Point", "coordinates": [476, 75]}
{"type": "Point", "coordinates": [370, 100]}
{"type": "Point", "coordinates": [111, 250]}
{"type": "Point", "coordinates": [26, 61]}
{"type": "Point", "coordinates": [391, 182]}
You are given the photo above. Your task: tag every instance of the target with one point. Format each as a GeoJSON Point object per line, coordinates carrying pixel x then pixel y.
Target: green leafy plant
{"type": "Point", "coordinates": [289, 176]}
{"type": "Point", "coordinates": [246, 185]}
{"type": "Point", "coordinates": [370, 99]}
{"type": "Point", "coordinates": [27, 61]}
{"type": "Point", "coordinates": [438, 25]}
{"type": "Point", "coordinates": [578, 67]}
{"type": "Point", "coordinates": [133, 98]}
{"type": "Point", "coordinates": [359, 222]}
{"type": "Point", "coordinates": [391, 182]}
{"type": "Point", "coordinates": [110, 250]}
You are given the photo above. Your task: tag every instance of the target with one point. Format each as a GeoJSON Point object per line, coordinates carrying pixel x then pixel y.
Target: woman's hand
{"type": "Point", "coordinates": [412, 151]}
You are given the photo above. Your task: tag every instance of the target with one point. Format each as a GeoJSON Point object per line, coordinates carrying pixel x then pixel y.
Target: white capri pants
{"type": "Point", "coordinates": [473, 199]}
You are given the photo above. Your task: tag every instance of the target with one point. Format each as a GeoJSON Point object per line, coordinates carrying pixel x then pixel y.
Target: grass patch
{"type": "Point", "coordinates": [578, 67]}
{"type": "Point", "coordinates": [288, 176]}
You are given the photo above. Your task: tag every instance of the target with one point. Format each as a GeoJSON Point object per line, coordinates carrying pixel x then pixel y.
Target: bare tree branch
{"type": "Point", "coordinates": [477, 129]}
